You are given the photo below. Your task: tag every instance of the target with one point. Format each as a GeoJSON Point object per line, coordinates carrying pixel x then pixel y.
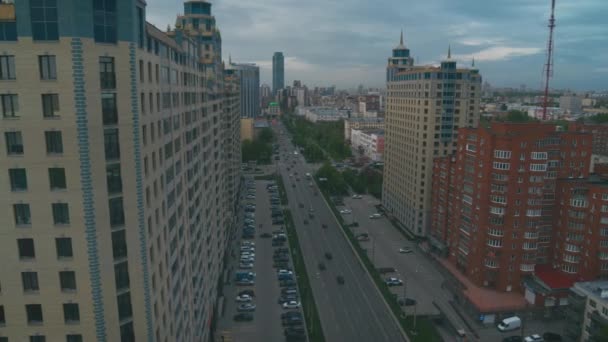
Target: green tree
{"type": "Point", "coordinates": [518, 116]}
{"type": "Point", "coordinates": [266, 136]}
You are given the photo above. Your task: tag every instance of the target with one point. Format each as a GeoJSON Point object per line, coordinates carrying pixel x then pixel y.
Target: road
{"type": "Point", "coordinates": [266, 325]}
{"type": "Point", "coordinates": [354, 311]}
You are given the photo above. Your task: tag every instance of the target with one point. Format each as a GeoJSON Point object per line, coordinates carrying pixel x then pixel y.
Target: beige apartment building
{"type": "Point", "coordinates": [117, 193]}
{"type": "Point", "coordinates": [425, 107]}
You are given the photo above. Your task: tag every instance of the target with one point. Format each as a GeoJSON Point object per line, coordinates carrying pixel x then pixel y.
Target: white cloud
{"type": "Point", "coordinates": [499, 53]}
{"type": "Point", "coordinates": [481, 41]}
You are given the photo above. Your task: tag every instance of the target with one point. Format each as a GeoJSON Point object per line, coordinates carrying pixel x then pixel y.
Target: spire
{"type": "Point", "coordinates": [473, 63]}
{"type": "Point", "coordinates": [401, 39]}
{"type": "Point", "coordinates": [449, 51]}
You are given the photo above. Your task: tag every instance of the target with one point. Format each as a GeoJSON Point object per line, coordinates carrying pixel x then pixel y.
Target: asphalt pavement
{"type": "Point", "coordinates": [355, 310]}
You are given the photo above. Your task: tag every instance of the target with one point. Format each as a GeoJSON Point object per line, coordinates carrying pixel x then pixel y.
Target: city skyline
{"type": "Point", "coordinates": [343, 47]}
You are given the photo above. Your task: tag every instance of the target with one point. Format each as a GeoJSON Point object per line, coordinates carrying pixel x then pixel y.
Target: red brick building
{"type": "Point", "coordinates": [495, 205]}
{"type": "Point", "coordinates": [600, 136]}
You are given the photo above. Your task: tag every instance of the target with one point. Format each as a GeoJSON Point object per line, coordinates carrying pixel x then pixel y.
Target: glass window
{"type": "Point", "coordinates": [34, 313]}
{"type": "Point", "coordinates": [38, 338]}
{"type": "Point", "coordinates": [10, 105]}
{"type": "Point", "coordinates": [18, 179]}
{"type": "Point", "coordinates": [57, 178]}
{"type": "Point", "coordinates": [50, 105]}
{"type": "Point", "coordinates": [7, 66]}
{"type": "Point", "coordinates": [8, 33]}
{"type": "Point", "coordinates": [73, 338]}
{"type": "Point", "coordinates": [121, 275]}
{"type": "Point", "coordinates": [48, 67]}
{"type": "Point", "coordinates": [108, 109]}
{"type": "Point", "coordinates": [117, 214]}
{"type": "Point", "coordinates": [64, 247]}
{"type": "Point", "coordinates": [54, 142]}
{"type": "Point", "coordinates": [26, 248]}
{"type": "Point", "coordinates": [126, 332]}
{"type": "Point", "coordinates": [22, 213]}
{"type": "Point", "coordinates": [43, 14]}
{"type": "Point", "coordinates": [71, 313]}
{"type": "Point", "coordinates": [67, 280]}
{"type": "Point", "coordinates": [113, 178]}
{"type": "Point", "coordinates": [30, 281]}
{"type": "Point", "coordinates": [14, 143]}
{"type": "Point", "coordinates": [107, 73]}
{"type": "Point", "coordinates": [119, 244]}
{"type": "Point", "coordinates": [61, 213]}
{"type": "Point", "coordinates": [124, 306]}
{"type": "Point", "coordinates": [2, 318]}
{"type": "Point", "coordinates": [111, 144]}
{"type": "Point", "coordinates": [104, 21]}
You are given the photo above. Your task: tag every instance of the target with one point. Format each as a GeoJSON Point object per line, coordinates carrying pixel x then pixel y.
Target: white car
{"type": "Point", "coordinates": [393, 281]}
{"type": "Point", "coordinates": [291, 305]}
{"type": "Point", "coordinates": [247, 243]}
{"type": "Point", "coordinates": [244, 298]}
{"type": "Point", "coordinates": [246, 265]}
{"type": "Point", "coordinates": [405, 250]}
{"type": "Point", "coordinates": [357, 196]}
{"type": "Point", "coordinates": [375, 216]}
{"type": "Point", "coordinates": [247, 255]}
{"type": "Point", "coordinates": [533, 338]}
{"type": "Point", "coordinates": [345, 211]}
{"type": "Point", "coordinates": [284, 272]}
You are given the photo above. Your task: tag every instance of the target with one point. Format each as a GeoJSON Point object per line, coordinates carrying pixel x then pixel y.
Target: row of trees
{"type": "Point", "coordinates": [337, 184]}
{"type": "Point", "coordinates": [260, 149]}
{"type": "Point", "coordinates": [318, 139]}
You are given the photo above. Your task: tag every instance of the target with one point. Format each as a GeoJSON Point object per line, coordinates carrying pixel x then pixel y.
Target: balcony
{"type": "Point", "coordinates": [527, 267]}
{"type": "Point", "coordinates": [489, 263]}
{"type": "Point", "coordinates": [7, 12]}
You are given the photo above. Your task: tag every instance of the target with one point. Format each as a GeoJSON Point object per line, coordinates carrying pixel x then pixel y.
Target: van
{"type": "Point", "coordinates": [509, 324]}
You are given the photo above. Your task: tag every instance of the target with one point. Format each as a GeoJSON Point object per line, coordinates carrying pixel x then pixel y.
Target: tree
{"type": "Point", "coordinates": [518, 116]}
{"type": "Point", "coordinates": [266, 135]}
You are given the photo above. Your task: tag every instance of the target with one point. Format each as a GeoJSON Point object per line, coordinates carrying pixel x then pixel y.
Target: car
{"type": "Point", "coordinates": [248, 243]}
{"type": "Point", "coordinates": [405, 250]}
{"type": "Point", "coordinates": [245, 298]}
{"type": "Point", "coordinates": [249, 221]}
{"type": "Point", "coordinates": [245, 282]}
{"type": "Point", "coordinates": [340, 279]}
{"type": "Point", "coordinates": [291, 314]}
{"type": "Point", "coordinates": [393, 281]}
{"type": "Point", "coordinates": [345, 211]}
{"type": "Point", "coordinates": [301, 205]}
{"type": "Point", "coordinates": [291, 305]}
{"type": "Point", "coordinates": [533, 338]}
{"type": "Point", "coordinates": [552, 337]}
{"type": "Point", "coordinates": [287, 298]}
{"type": "Point", "coordinates": [375, 216]}
{"type": "Point", "coordinates": [322, 266]}
{"type": "Point", "coordinates": [250, 293]}
{"type": "Point", "coordinates": [512, 339]}
{"type": "Point", "coordinates": [289, 291]}
{"type": "Point", "coordinates": [287, 283]}
{"type": "Point", "coordinates": [281, 250]}
{"type": "Point", "coordinates": [294, 330]}
{"type": "Point", "coordinates": [305, 221]}
{"type": "Point", "coordinates": [247, 255]}
{"type": "Point", "coordinates": [282, 271]}
{"type": "Point", "coordinates": [243, 317]}
{"type": "Point", "coordinates": [292, 322]}
{"type": "Point", "coordinates": [357, 196]}
{"type": "Point", "coordinates": [406, 302]}
{"type": "Point", "coordinates": [328, 256]}
{"type": "Point", "coordinates": [247, 249]}
{"type": "Point", "coordinates": [246, 265]}
{"type": "Point", "coordinates": [265, 235]}
{"type": "Point", "coordinates": [276, 243]}
{"type": "Point", "coordinates": [250, 196]}
{"type": "Point", "coordinates": [247, 307]}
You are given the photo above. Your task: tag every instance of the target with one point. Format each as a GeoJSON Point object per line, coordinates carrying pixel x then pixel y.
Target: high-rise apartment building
{"type": "Point", "coordinates": [425, 107]}
{"type": "Point", "coordinates": [516, 196]}
{"type": "Point", "coordinates": [232, 142]}
{"type": "Point", "coordinates": [113, 172]}
{"type": "Point", "coordinates": [278, 72]}
{"type": "Point", "coordinates": [249, 76]}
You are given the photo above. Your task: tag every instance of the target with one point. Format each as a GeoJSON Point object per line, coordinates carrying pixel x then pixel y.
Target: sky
{"type": "Point", "coordinates": [347, 42]}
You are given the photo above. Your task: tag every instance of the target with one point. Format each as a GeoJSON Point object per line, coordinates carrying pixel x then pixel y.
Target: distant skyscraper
{"type": "Point", "coordinates": [422, 125]}
{"type": "Point", "coordinates": [278, 72]}
{"type": "Point", "coordinates": [249, 75]}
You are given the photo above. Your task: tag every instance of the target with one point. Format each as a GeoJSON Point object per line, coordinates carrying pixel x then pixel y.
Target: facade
{"type": "Point", "coordinates": [114, 177]}
{"type": "Point", "coordinates": [247, 129]}
{"type": "Point", "coordinates": [361, 123]}
{"type": "Point", "coordinates": [571, 104]}
{"type": "Point", "coordinates": [265, 95]}
{"type": "Point", "coordinates": [278, 72]}
{"type": "Point", "coordinates": [600, 136]}
{"type": "Point", "coordinates": [314, 114]}
{"type": "Point", "coordinates": [501, 204]}
{"type": "Point", "coordinates": [232, 146]}
{"type": "Point", "coordinates": [587, 312]}
{"type": "Point", "coordinates": [249, 75]}
{"type": "Point", "coordinates": [369, 142]}
{"type": "Point", "coordinates": [425, 107]}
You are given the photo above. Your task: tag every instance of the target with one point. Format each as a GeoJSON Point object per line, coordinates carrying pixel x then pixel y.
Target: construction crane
{"type": "Point", "coordinates": [548, 70]}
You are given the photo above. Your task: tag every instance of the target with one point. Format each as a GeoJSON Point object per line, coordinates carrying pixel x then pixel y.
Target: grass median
{"type": "Point", "coordinates": [313, 322]}
{"type": "Point", "coordinates": [425, 330]}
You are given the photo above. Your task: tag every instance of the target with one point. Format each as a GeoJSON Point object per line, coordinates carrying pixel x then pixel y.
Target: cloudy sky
{"type": "Point", "coordinates": [347, 42]}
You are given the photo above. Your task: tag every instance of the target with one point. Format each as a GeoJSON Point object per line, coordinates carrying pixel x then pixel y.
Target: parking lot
{"type": "Point", "coordinates": [267, 315]}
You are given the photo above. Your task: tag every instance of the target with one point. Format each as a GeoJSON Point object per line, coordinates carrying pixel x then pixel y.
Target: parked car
{"type": "Point", "coordinates": [392, 281]}
{"type": "Point", "coordinates": [533, 338]}
{"type": "Point", "coordinates": [265, 235]}
{"type": "Point", "coordinates": [287, 298]}
{"type": "Point", "coordinates": [291, 314]}
{"type": "Point", "coordinates": [247, 307]}
{"type": "Point", "coordinates": [287, 283]}
{"type": "Point", "coordinates": [243, 298]}
{"type": "Point", "coordinates": [291, 305]}
{"type": "Point", "coordinates": [246, 265]}
{"type": "Point", "coordinates": [405, 250]}
{"type": "Point", "coordinates": [375, 216]}
{"type": "Point", "coordinates": [243, 317]}
{"type": "Point", "coordinates": [345, 211]}
{"type": "Point", "coordinates": [340, 279]}
{"type": "Point", "coordinates": [406, 302]}
{"type": "Point", "coordinates": [357, 196]}
{"type": "Point", "coordinates": [250, 293]}
{"type": "Point", "coordinates": [322, 266]}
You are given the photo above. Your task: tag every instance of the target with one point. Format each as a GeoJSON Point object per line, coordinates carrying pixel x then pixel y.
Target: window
{"type": "Point", "coordinates": [71, 313]}
{"type": "Point", "coordinates": [14, 143]}
{"type": "Point", "coordinates": [104, 21]}
{"type": "Point", "coordinates": [67, 280]}
{"type": "Point", "coordinates": [26, 248]}
{"type": "Point", "coordinates": [54, 142]}
{"type": "Point", "coordinates": [8, 33]}
{"type": "Point", "coordinates": [57, 178]}
{"type": "Point", "coordinates": [501, 166]}
{"type": "Point", "coordinates": [111, 144]}
{"type": "Point", "coordinates": [61, 213]}
{"type": "Point", "coordinates": [48, 68]}
{"type": "Point", "coordinates": [539, 155]}
{"type": "Point", "coordinates": [121, 275]}
{"type": "Point", "coordinates": [7, 67]}
{"type": "Point", "coordinates": [502, 154]}
{"type": "Point", "coordinates": [43, 14]}
{"type": "Point", "coordinates": [22, 213]}
{"type": "Point", "coordinates": [2, 318]}
{"type": "Point", "coordinates": [18, 179]}
{"type": "Point", "coordinates": [113, 178]}
{"type": "Point", "coordinates": [64, 247]}
{"type": "Point", "coordinates": [108, 109]}
{"type": "Point", "coordinates": [73, 338]}
{"type": "Point", "coordinates": [10, 105]}
{"type": "Point", "coordinates": [107, 73]}
{"type": "Point", "coordinates": [50, 105]}
{"type": "Point", "coordinates": [117, 214]}
{"type": "Point", "coordinates": [124, 306]}
{"type": "Point", "coordinates": [126, 332]}
{"type": "Point", "coordinates": [119, 244]}
{"type": "Point", "coordinates": [30, 281]}
{"type": "Point", "coordinates": [34, 314]}
{"type": "Point", "coordinates": [538, 167]}
{"type": "Point", "coordinates": [38, 338]}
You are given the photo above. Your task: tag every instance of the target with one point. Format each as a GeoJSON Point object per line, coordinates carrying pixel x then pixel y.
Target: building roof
{"type": "Point", "coordinates": [553, 278]}
{"type": "Point", "coordinates": [370, 120]}
{"type": "Point", "coordinates": [596, 289]}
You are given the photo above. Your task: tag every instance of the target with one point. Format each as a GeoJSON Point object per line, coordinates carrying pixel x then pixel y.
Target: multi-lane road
{"type": "Point", "coordinates": [355, 310]}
